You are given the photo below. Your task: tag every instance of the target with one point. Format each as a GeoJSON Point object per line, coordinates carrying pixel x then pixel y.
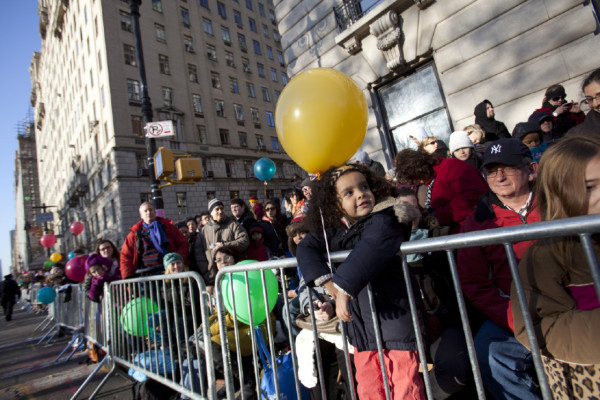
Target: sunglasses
{"type": "Point", "coordinates": [559, 98]}
{"type": "Point", "coordinates": [270, 209]}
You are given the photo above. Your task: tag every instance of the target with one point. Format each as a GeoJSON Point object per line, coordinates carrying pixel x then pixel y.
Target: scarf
{"type": "Point", "coordinates": [157, 235]}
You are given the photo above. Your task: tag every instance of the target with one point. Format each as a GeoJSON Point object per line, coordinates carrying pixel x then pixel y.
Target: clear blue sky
{"type": "Point", "coordinates": [20, 38]}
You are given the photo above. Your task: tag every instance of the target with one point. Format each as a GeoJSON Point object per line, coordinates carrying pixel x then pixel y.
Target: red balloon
{"type": "Point", "coordinates": [75, 268]}
{"type": "Point", "coordinates": [48, 240]}
{"type": "Point", "coordinates": [76, 228]}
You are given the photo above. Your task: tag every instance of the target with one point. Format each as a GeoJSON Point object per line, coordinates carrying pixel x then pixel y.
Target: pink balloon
{"type": "Point", "coordinates": [48, 240]}
{"type": "Point", "coordinates": [75, 268]}
{"type": "Point", "coordinates": [76, 228]}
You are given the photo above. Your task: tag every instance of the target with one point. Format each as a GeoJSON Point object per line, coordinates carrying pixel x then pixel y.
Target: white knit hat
{"type": "Point", "coordinates": [458, 140]}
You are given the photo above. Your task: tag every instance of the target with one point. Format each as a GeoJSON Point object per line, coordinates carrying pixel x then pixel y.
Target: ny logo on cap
{"type": "Point", "coordinates": [496, 149]}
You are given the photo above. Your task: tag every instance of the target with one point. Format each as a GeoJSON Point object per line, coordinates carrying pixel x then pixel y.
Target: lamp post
{"type": "Point", "coordinates": [157, 198]}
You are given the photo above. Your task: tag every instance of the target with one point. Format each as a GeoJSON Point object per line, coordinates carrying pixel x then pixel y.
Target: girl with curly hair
{"type": "Point", "coordinates": [361, 214]}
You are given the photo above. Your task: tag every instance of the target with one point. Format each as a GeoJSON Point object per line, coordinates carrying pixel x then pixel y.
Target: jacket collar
{"type": "Point", "coordinates": [485, 207]}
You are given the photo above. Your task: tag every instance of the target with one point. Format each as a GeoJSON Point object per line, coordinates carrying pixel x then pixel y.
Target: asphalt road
{"type": "Point", "coordinates": [28, 370]}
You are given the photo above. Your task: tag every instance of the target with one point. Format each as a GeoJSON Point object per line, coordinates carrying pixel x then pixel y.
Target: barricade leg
{"type": "Point", "coordinates": [48, 333]}
{"type": "Point", "coordinates": [89, 378]}
{"type": "Point", "coordinates": [45, 322]}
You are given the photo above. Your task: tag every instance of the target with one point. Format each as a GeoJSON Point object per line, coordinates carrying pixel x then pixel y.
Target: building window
{"type": "Point", "coordinates": [250, 87]}
{"type": "Point", "coordinates": [203, 3]}
{"type": "Point", "coordinates": [274, 74]}
{"type": "Point", "coordinates": [255, 117]}
{"type": "Point", "coordinates": [113, 210]}
{"type": "Point", "coordinates": [202, 134]}
{"type": "Point", "coordinates": [161, 34]}
{"type": "Point", "coordinates": [230, 168]}
{"type": "Point", "coordinates": [270, 119]}
{"type": "Point", "coordinates": [126, 23]}
{"type": "Point", "coordinates": [145, 197]}
{"type": "Point", "coordinates": [192, 73]}
{"type": "Point", "coordinates": [229, 59]}
{"type": "Point", "coordinates": [224, 136]}
{"type": "Point", "coordinates": [248, 169]}
{"type": "Point", "coordinates": [261, 9]}
{"type": "Point", "coordinates": [136, 126]}
{"type": "Point", "coordinates": [276, 36]}
{"type": "Point", "coordinates": [197, 102]}
{"type": "Point", "coordinates": [221, 9]}
{"type": "Point", "coordinates": [256, 46]}
{"type": "Point", "coordinates": [163, 63]}
{"type": "Point", "coordinates": [211, 52]}
{"type": "Point", "coordinates": [237, 17]}
{"type": "Point", "coordinates": [265, 30]}
{"type": "Point", "coordinates": [157, 5]}
{"type": "Point", "coordinates": [130, 56]}
{"type": "Point", "coordinates": [280, 58]}
{"type": "Point", "coordinates": [220, 108]}
{"type": "Point", "coordinates": [207, 26]}
{"type": "Point", "coordinates": [249, 4]}
{"type": "Point", "coordinates": [246, 65]}
{"type": "Point", "coordinates": [210, 195]}
{"type": "Point", "coordinates": [233, 83]}
{"type": "Point", "coordinates": [239, 112]}
{"type": "Point", "coordinates": [226, 35]}
{"type": "Point", "coordinates": [429, 112]}
{"type": "Point", "coordinates": [188, 43]}
{"type": "Point", "coordinates": [265, 93]}
{"type": "Point", "coordinates": [252, 24]}
{"type": "Point", "coordinates": [167, 96]}
{"type": "Point", "coordinates": [284, 78]}
{"type": "Point", "coordinates": [261, 70]}
{"type": "Point", "coordinates": [272, 17]}
{"type": "Point", "coordinates": [260, 143]}
{"type": "Point", "coordinates": [275, 145]}
{"type": "Point", "coordinates": [277, 93]}
{"type": "Point", "coordinates": [181, 202]}
{"type": "Point", "coordinates": [134, 92]}
{"type": "Point", "coordinates": [185, 17]}
{"type": "Point", "coordinates": [243, 139]}
{"type": "Point", "coordinates": [215, 80]}
{"type": "Point", "coordinates": [270, 52]}
{"type": "Point", "coordinates": [242, 42]}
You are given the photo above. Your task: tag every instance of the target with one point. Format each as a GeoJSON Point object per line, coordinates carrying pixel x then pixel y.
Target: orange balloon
{"type": "Point", "coordinates": [321, 119]}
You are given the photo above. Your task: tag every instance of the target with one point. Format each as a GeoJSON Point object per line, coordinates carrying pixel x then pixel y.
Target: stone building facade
{"type": "Point", "coordinates": [425, 63]}
{"type": "Point", "coordinates": [214, 68]}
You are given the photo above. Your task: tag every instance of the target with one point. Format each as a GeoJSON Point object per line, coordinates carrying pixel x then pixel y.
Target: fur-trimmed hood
{"type": "Point", "coordinates": [405, 213]}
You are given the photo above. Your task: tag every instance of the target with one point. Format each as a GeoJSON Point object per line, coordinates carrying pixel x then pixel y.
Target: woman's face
{"type": "Point", "coordinates": [462, 153]}
{"type": "Point", "coordinates": [105, 250]}
{"type": "Point", "coordinates": [475, 136]}
{"type": "Point", "coordinates": [176, 267]}
{"type": "Point", "coordinates": [546, 125]}
{"type": "Point", "coordinates": [271, 211]}
{"type": "Point", "coordinates": [294, 197]}
{"type": "Point", "coordinates": [431, 147]}
{"type": "Point", "coordinates": [298, 237]}
{"type": "Point", "coordinates": [223, 260]}
{"type": "Point", "coordinates": [592, 186]}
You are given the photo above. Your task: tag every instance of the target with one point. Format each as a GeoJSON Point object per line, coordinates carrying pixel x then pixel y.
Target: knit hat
{"type": "Point", "coordinates": [508, 152]}
{"type": "Point", "coordinates": [256, 228]}
{"type": "Point", "coordinates": [523, 129]}
{"type": "Point", "coordinates": [214, 203]}
{"type": "Point", "coordinates": [170, 257]}
{"type": "Point", "coordinates": [306, 182]}
{"type": "Point", "coordinates": [362, 157]}
{"type": "Point", "coordinates": [459, 140]}
{"type": "Point", "coordinates": [97, 259]}
{"type": "Point", "coordinates": [253, 199]}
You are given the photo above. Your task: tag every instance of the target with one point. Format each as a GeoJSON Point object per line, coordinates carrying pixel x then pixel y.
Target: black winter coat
{"type": "Point", "coordinates": [375, 241]}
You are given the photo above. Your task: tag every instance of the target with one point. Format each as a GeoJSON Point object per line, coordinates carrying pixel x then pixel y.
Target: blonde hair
{"type": "Point", "coordinates": [426, 141]}
{"type": "Point", "coordinates": [475, 128]}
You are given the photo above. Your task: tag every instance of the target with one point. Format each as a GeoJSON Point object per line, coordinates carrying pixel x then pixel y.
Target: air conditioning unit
{"type": "Point", "coordinates": [246, 69]}
{"type": "Point", "coordinates": [93, 124]}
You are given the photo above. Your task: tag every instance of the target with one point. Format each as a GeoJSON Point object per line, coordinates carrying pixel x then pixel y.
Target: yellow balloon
{"type": "Point", "coordinates": [55, 257]}
{"type": "Point", "coordinates": [321, 119]}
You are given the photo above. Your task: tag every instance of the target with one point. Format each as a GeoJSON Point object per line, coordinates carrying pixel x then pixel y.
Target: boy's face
{"type": "Point", "coordinates": [256, 236]}
{"type": "Point", "coordinates": [532, 140]}
{"type": "Point", "coordinates": [354, 195]}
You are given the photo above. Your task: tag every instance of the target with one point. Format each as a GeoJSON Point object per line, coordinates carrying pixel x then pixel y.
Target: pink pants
{"type": "Point", "coordinates": [402, 369]}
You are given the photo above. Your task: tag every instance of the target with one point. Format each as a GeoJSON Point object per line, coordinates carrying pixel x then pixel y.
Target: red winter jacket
{"type": "Point", "coordinates": [131, 250]}
{"type": "Point", "coordinates": [484, 272]}
{"type": "Point", "coordinates": [456, 191]}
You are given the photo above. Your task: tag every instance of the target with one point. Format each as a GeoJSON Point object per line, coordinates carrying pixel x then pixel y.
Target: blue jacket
{"type": "Point", "coordinates": [375, 241]}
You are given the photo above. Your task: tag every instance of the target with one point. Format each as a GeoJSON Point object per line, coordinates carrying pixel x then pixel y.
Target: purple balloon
{"type": "Point", "coordinates": [75, 268]}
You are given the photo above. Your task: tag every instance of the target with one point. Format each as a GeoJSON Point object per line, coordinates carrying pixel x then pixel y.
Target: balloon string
{"type": "Point", "coordinates": [326, 241]}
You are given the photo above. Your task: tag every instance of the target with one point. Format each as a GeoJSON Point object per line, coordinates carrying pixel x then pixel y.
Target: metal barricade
{"type": "Point", "coordinates": [582, 227]}
{"type": "Point", "coordinates": [158, 327]}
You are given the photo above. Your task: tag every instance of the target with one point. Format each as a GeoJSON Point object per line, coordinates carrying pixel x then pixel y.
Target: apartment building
{"type": "Point", "coordinates": [214, 68]}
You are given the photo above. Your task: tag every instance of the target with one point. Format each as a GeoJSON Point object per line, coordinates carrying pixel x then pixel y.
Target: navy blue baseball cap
{"type": "Point", "coordinates": [507, 152]}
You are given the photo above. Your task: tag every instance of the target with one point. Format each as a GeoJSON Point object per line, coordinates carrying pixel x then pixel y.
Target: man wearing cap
{"type": "Point", "coordinates": [363, 158]}
{"type": "Point", "coordinates": [10, 290]}
{"type": "Point", "coordinates": [147, 243]}
{"type": "Point", "coordinates": [221, 231]}
{"type": "Point", "coordinates": [485, 274]}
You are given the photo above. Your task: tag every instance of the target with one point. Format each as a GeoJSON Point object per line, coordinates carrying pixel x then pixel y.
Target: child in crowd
{"type": "Point", "coordinates": [462, 148]}
{"type": "Point", "coordinates": [556, 277]}
{"type": "Point", "coordinates": [257, 249]}
{"type": "Point", "coordinates": [99, 268]}
{"type": "Point", "coordinates": [360, 214]}
{"type": "Point", "coordinates": [530, 135]}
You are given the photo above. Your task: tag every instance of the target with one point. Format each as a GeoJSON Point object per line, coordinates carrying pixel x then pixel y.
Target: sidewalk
{"type": "Point", "coordinates": [28, 370]}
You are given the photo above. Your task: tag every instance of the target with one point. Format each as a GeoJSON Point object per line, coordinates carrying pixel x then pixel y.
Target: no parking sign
{"type": "Point", "coordinates": [159, 129]}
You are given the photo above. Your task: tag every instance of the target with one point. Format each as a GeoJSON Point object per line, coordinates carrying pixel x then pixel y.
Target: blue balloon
{"type": "Point", "coordinates": [71, 255]}
{"type": "Point", "coordinates": [46, 295]}
{"type": "Point", "coordinates": [264, 169]}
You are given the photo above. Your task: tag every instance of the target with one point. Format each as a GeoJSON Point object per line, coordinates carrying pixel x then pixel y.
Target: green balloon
{"type": "Point", "coordinates": [134, 316]}
{"type": "Point", "coordinates": [257, 303]}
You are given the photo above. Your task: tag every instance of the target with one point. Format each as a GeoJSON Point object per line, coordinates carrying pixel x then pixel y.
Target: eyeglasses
{"type": "Point", "coordinates": [506, 171]}
{"type": "Point", "coordinates": [224, 259]}
{"type": "Point", "coordinates": [270, 209]}
{"type": "Point", "coordinates": [104, 248]}
{"type": "Point", "coordinates": [590, 100]}
{"type": "Point", "coordinates": [557, 98]}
